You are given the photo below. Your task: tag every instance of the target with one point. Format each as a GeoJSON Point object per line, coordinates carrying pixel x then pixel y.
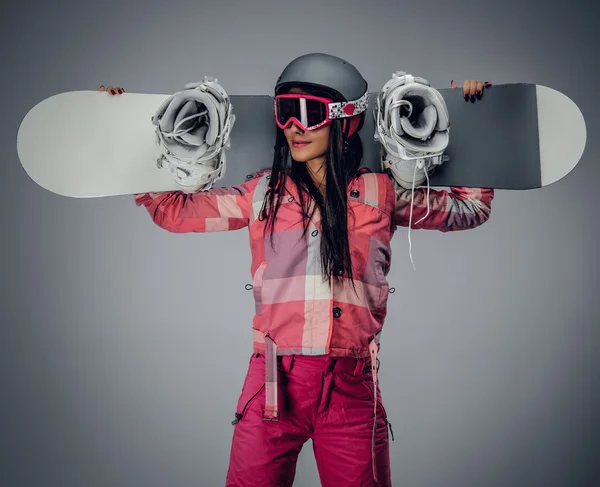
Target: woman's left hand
{"type": "Point", "coordinates": [472, 88]}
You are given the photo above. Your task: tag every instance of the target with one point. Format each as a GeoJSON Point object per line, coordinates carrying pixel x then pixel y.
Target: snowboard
{"type": "Point", "coordinates": [87, 144]}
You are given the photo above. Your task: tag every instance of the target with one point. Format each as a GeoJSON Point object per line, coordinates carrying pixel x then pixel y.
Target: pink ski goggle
{"type": "Point", "coordinates": [313, 112]}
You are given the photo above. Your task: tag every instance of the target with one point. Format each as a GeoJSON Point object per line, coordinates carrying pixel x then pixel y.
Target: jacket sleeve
{"type": "Point", "coordinates": [457, 209]}
{"type": "Point", "coordinates": [214, 210]}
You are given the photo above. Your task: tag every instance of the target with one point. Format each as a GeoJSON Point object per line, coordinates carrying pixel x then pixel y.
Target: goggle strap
{"type": "Point", "coordinates": [349, 108]}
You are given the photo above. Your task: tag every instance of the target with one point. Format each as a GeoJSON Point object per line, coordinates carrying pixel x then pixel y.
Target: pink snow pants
{"type": "Point", "coordinates": [327, 400]}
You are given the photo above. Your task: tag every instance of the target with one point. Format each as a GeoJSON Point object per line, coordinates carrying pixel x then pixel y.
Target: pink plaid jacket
{"type": "Point", "coordinates": [294, 307]}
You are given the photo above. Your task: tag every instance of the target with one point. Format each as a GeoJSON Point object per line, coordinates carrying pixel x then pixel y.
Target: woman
{"type": "Point", "coordinates": [320, 229]}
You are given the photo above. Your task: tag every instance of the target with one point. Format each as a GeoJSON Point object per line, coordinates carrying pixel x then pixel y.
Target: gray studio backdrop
{"type": "Point", "coordinates": [488, 369]}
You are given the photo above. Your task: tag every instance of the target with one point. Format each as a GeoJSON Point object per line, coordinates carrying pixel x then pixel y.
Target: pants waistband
{"type": "Point", "coordinates": [323, 363]}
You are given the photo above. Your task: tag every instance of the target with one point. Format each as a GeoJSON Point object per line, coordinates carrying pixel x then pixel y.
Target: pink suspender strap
{"type": "Point", "coordinates": [271, 411]}
{"type": "Point", "coordinates": [373, 345]}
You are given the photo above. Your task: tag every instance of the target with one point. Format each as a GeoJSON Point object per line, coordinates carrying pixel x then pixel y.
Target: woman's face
{"type": "Point", "coordinates": [309, 145]}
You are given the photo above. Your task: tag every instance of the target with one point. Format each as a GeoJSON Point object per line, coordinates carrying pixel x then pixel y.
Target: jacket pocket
{"type": "Point", "coordinates": [257, 286]}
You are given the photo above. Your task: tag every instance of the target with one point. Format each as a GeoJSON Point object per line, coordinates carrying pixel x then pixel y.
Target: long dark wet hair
{"type": "Point", "coordinates": [343, 161]}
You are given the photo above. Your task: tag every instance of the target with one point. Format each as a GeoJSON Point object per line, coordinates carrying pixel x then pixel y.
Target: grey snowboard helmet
{"type": "Point", "coordinates": [338, 78]}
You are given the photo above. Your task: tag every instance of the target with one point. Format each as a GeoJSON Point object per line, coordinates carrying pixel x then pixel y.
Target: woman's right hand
{"type": "Point", "coordinates": [112, 90]}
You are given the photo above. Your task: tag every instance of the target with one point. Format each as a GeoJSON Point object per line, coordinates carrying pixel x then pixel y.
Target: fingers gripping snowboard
{"type": "Point", "coordinates": [88, 144]}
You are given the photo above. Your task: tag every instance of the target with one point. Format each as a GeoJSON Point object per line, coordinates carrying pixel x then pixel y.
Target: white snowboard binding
{"type": "Point", "coordinates": [412, 125]}
{"type": "Point", "coordinates": [193, 127]}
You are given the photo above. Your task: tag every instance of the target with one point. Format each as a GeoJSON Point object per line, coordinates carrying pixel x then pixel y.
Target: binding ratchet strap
{"type": "Point", "coordinates": [193, 128]}
{"type": "Point", "coordinates": [271, 411]}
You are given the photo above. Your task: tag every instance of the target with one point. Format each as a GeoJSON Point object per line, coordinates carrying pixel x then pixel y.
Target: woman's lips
{"type": "Point", "coordinates": [299, 144]}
